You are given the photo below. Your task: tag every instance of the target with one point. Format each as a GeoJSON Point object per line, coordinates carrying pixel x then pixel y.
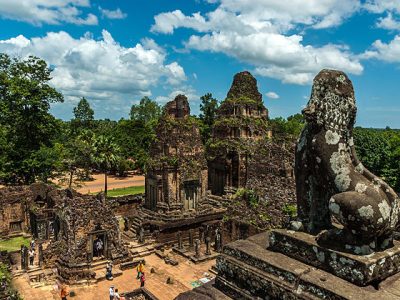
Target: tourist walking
{"type": "Point", "coordinates": [112, 292]}
{"type": "Point", "coordinates": [33, 244]}
{"type": "Point", "coordinates": [116, 295]}
{"type": "Point", "coordinates": [99, 246]}
{"type": "Point", "coordinates": [109, 271]}
{"type": "Point", "coordinates": [31, 254]}
{"type": "Point", "coordinates": [140, 269]}
{"type": "Point", "coordinates": [142, 280]}
{"type": "Point", "coordinates": [64, 293]}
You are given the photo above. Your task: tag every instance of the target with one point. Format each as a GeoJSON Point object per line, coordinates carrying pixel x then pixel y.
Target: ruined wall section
{"type": "Point", "coordinates": [79, 217]}
{"type": "Point", "coordinates": [177, 155]}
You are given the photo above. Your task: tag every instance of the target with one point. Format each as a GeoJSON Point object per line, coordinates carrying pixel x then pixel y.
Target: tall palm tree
{"type": "Point", "coordinates": [106, 156]}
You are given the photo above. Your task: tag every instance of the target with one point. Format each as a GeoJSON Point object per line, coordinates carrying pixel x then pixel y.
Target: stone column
{"type": "Point", "coordinates": [201, 231]}
{"type": "Point", "coordinates": [190, 238]}
{"type": "Point", "coordinates": [40, 254]}
{"type": "Point", "coordinates": [180, 243]}
{"type": "Point", "coordinates": [197, 248]}
{"type": "Point", "coordinates": [208, 240]}
{"type": "Point", "coordinates": [141, 235]}
{"type": "Point", "coordinates": [22, 258]}
{"type": "Point", "coordinates": [25, 258]}
{"type": "Point", "coordinates": [217, 244]}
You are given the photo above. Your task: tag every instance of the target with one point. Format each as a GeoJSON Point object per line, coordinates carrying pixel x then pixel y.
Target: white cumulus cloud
{"type": "Point", "coordinates": [389, 52]}
{"type": "Point", "coordinates": [272, 95]}
{"type": "Point", "coordinates": [47, 11]}
{"type": "Point", "coordinates": [390, 9]}
{"type": "Point", "coordinates": [257, 32]}
{"type": "Point", "coordinates": [98, 69]}
{"type": "Point", "coordinates": [113, 14]}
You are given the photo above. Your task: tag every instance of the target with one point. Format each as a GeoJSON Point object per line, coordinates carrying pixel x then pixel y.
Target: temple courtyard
{"type": "Point", "coordinates": [185, 276]}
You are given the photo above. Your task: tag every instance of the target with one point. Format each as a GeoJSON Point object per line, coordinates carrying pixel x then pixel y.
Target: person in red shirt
{"type": "Point", "coordinates": [64, 293]}
{"type": "Point", "coordinates": [142, 279]}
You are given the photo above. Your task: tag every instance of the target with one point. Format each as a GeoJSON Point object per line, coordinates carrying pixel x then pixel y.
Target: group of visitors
{"type": "Point", "coordinates": [114, 294]}
{"type": "Point", "coordinates": [140, 273]}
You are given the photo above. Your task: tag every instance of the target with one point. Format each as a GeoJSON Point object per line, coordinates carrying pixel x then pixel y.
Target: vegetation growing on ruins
{"type": "Point", "coordinates": [208, 112]}
{"type": "Point", "coordinates": [6, 290]}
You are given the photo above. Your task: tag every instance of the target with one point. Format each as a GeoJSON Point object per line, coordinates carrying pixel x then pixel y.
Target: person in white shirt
{"type": "Point", "coordinates": [31, 254]}
{"type": "Point", "coordinates": [112, 292]}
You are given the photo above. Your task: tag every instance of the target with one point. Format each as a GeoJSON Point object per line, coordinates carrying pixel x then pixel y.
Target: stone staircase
{"type": "Point", "coordinates": [131, 234]}
{"type": "Point", "coordinates": [142, 249]}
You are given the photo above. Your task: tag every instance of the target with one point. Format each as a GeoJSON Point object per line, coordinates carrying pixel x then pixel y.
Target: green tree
{"type": "Point", "coordinates": [25, 98]}
{"type": "Point", "coordinates": [79, 156]}
{"type": "Point", "coordinates": [47, 162]}
{"type": "Point", "coordinates": [134, 138]}
{"type": "Point", "coordinates": [208, 108]}
{"type": "Point", "coordinates": [84, 115]}
{"type": "Point", "coordinates": [146, 111]}
{"type": "Point", "coordinates": [106, 156]}
{"type": "Point", "coordinates": [287, 128]}
{"type": "Point", "coordinates": [379, 151]}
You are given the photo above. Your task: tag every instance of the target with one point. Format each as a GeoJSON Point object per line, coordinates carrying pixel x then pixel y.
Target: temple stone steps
{"type": "Point", "coordinates": [143, 251]}
{"type": "Point", "coordinates": [247, 270]}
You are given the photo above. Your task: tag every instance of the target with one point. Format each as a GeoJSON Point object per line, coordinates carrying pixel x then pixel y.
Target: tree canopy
{"type": "Point", "coordinates": [146, 111]}
{"type": "Point", "coordinates": [25, 98]}
{"type": "Point", "coordinates": [208, 109]}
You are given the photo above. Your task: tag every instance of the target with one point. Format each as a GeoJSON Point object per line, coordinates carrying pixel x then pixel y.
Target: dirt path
{"type": "Point", "coordinates": [97, 185]}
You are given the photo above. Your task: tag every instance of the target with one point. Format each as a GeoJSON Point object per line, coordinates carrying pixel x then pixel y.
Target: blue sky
{"type": "Point", "coordinates": [115, 52]}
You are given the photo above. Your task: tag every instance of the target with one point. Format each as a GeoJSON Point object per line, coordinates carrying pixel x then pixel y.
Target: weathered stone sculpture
{"type": "Point", "coordinates": [197, 248]}
{"type": "Point", "coordinates": [208, 242]}
{"type": "Point", "coordinates": [217, 243]}
{"type": "Point", "coordinates": [190, 238]}
{"type": "Point", "coordinates": [180, 241]}
{"type": "Point", "coordinates": [141, 235]}
{"type": "Point", "coordinates": [330, 180]}
{"type": "Point", "coordinates": [24, 257]}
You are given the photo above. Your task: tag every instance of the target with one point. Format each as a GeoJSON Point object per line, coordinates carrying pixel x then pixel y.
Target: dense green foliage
{"type": "Point", "coordinates": [84, 115]}
{"type": "Point", "coordinates": [146, 111]}
{"type": "Point", "coordinates": [27, 126]}
{"type": "Point", "coordinates": [379, 151]}
{"type": "Point", "coordinates": [287, 128]}
{"type": "Point", "coordinates": [6, 290]}
{"type": "Point", "coordinates": [208, 109]}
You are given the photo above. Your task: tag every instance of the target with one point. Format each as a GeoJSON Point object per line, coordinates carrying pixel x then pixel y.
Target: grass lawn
{"type": "Point", "coordinates": [132, 190]}
{"type": "Point", "coordinates": [14, 244]}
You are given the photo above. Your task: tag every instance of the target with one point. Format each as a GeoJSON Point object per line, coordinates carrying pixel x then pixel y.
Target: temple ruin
{"type": "Point", "coordinates": [177, 205]}
{"type": "Point", "coordinates": [65, 225]}
{"type": "Point", "coordinates": [242, 120]}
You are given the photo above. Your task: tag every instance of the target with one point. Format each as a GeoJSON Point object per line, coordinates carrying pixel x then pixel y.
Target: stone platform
{"type": "Point", "coordinates": [248, 270]}
{"type": "Point", "coordinates": [190, 254]}
{"type": "Point", "coordinates": [359, 269]}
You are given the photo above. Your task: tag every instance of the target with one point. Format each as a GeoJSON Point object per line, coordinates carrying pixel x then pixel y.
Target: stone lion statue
{"type": "Point", "coordinates": [331, 181]}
